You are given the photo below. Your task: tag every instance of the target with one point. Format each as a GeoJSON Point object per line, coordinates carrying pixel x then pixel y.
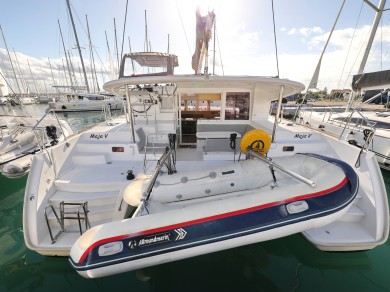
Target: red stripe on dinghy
{"type": "Point", "coordinates": [211, 218]}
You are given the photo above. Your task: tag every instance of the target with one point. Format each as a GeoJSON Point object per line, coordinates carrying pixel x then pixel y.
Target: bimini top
{"type": "Point", "coordinates": [270, 87]}
{"type": "Point", "coordinates": [153, 59]}
{"type": "Point", "coordinates": [148, 60]}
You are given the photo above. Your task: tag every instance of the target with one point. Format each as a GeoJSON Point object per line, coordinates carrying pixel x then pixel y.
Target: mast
{"type": "Point", "coordinates": [124, 29]}
{"type": "Point", "coordinates": [92, 57]}
{"type": "Point", "coordinates": [32, 76]}
{"type": "Point", "coordinates": [4, 86]}
{"type": "Point", "coordinates": [116, 46]}
{"type": "Point", "coordinates": [66, 58]}
{"type": "Point", "coordinates": [132, 61]}
{"type": "Point", "coordinates": [168, 44]}
{"type": "Point", "coordinates": [44, 82]}
{"type": "Point", "coordinates": [63, 67]}
{"type": "Point", "coordinates": [146, 48]}
{"type": "Point", "coordinates": [24, 84]}
{"type": "Point", "coordinates": [314, 79]}
{"type": "Point", "coordinates": [374, 28]}
{"type": "Point", "coordinates": [52, 75]}
{"type": "Point", "coordinates": [72, 72]}
{"type": "Point", "coordinates": [78, 45]}
{"type": "Point", "coordinates": [110, 58]}
{"type": "Point", "coordinates": [10, 60]}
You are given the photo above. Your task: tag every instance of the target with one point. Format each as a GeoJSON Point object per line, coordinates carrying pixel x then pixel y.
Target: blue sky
{"type": "Point", "coordinates": [244, 29]}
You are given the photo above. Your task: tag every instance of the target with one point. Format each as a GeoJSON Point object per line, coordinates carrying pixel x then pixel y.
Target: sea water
{"type": "Point", "coordinates": [286, 264]}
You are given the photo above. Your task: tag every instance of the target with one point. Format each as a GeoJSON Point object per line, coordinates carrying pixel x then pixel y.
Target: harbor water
{"type": "Point", "coordinates": [286, 264]}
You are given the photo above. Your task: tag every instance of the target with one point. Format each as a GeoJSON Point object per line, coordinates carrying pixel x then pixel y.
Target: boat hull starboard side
{"type": "Point", "coordinates": [102, 251]}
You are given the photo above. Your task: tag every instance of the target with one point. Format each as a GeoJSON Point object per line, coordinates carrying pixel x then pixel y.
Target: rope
{"type": "Point", "coordinates": [350, 44]}
{"type": "Point", "coordinates": [220, 55]}
{"type": "Point", "coordinates": [181, 20]}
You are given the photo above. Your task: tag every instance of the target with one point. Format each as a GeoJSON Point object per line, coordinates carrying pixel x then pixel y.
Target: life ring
{"type": "Point", "coordinates": [258, 140]}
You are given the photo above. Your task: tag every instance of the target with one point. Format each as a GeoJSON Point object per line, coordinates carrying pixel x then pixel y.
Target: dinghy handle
{"type": "Point", "coordinates": [268, 160]}
{"type": "Point", "coordinates": [166, 159]}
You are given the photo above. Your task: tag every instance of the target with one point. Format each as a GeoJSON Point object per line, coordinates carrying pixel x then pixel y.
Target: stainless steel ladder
{"type": "Point", "coordinates": [79, 213]}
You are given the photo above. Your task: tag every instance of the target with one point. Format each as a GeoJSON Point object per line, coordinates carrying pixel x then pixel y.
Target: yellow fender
{"type": "Point", "coordinates": [258, 140]}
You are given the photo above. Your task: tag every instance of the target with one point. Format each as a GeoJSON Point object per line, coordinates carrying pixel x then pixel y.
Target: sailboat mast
{"type": "Point", "coordinates": [374, 28]}
{"type": "Point", "coordinates": [124, 29]}
{"type": "Point", "coordinates": [24, 84]}
{"type": "Point", "coordinates": [66, 58]}
{"type": "Point", "coordinates": [92, 56]}
{"type": "Point", "coordinates": [10, 60]}
{"type": "Point", "coordinates": [132, 61]}
{"type": "Point", "coordinates": [78, 45]}
{"type": "Point", "coordinates": [52, 76]}
{"type": "Point", "coordinates": [110, 58]}
{"type": "Point", "coordinates": [116, 46]}
{"type": "Point", "coordinates": [44, 82]}
{"type": "Point", "coordinates": [32, 76]}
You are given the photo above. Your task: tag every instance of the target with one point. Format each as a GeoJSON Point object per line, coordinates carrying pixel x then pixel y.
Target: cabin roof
{"type": "Point", "coordinates": [269, 86]}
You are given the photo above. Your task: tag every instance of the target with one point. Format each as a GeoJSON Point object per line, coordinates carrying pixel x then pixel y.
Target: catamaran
{"type": "Point", "coordinates": [197, 165]}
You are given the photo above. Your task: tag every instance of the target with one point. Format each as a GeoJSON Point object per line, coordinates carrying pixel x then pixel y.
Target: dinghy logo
{"type": "Point", "coordinates": [181, 233]}
{"type": "Point", "coordinates": [150, 240]}
{"type": "Point", "coordinates": [158, 238]}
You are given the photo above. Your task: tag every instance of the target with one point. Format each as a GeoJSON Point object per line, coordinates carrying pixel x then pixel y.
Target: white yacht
{"type": "Point", "coordinates": [354, 123]}
{"type": "Point", "coordinates": [26, 100]}
{"type": "Point", "coordinates": [79, 102]}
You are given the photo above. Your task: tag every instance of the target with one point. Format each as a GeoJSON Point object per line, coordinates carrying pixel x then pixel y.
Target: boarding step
{"type": "Point", "coordinates": [93, 198]}
{"type": "Point", "coordinates": [97, 178]}
{"type": "Point", "coordinates": [354, 214]}
{"type": "Point", "coordinates": [358, 198]}
{"type": "Point", "coordinates": [90, 159]}
{"type": "Point", "coordinates": [340, 233]}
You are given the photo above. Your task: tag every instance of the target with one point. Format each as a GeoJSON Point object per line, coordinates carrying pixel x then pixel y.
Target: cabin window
{"type": "Point", "coordinates": [167, 102]}
{"type": "Point", "coordinates": [237, 106]}
{"type": "Point", "coordinates": [197, 106]}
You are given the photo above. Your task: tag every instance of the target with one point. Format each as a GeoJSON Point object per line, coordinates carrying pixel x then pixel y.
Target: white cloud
{"type": "Point", "coordinates": [304, 31]}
